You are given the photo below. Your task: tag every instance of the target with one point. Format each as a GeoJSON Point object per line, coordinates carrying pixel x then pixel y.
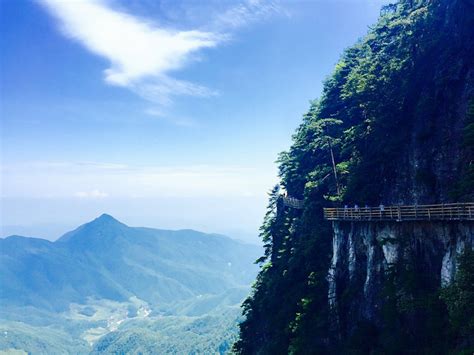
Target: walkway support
{"type": "Point", "coordinates": [438, 212]}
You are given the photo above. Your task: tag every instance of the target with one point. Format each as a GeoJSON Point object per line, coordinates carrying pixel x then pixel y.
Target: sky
{"type": "Point", "coordinates": [162, 113]}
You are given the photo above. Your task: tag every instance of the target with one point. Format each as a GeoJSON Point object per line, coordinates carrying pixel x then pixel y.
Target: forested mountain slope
{"type": "Point", "coordinates": [106, 259]}
{"type": "Point", "coordinates": [398, 115]}
{"type": "Point", "coordinates": [110, 288]}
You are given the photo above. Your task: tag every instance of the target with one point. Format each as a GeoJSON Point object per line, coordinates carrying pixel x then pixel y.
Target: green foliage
{"type": "Point", "coordinates": [268, 221]}
{"type": "Point", "coordinates": [459, 298]}
{"type": "Point", "coordinates": [391, 96]}
{"type": "Point", "coordinates": [414, 318]}
{"type": "Point", "coordinates": [465, 185]}
{"type": "Point", "coordinates": [469, 128]}
{"type": "Point", "coordinates": [210, 334]}
{"type": "Point", "coordinates": [39, 340]}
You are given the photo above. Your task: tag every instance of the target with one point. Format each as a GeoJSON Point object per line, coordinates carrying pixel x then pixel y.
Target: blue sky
{"type": "Point", "coordinates": [162, 113]}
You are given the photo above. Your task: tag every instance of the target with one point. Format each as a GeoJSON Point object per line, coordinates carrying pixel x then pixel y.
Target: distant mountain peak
{"type": "Point", "coordinates": [104, 224]}
{"type": "Point", "coordinates": [104, 217]}
{"type": "Point", "coordinates": [105, 220]}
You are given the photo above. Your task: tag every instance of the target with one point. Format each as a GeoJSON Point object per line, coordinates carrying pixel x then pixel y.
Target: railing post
{"type": "Point", "coordinates": [399, 213]}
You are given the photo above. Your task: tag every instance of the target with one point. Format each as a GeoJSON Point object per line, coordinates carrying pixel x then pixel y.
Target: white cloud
{"type": "Point", "coordinates": [91, 194]}
{"type": "Point", "coordinates": [247, 12]}
{"type": "Point", "coordinates": [141, 53]}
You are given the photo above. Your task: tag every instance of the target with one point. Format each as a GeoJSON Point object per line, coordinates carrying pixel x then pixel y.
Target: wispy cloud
{"type": "Point", "coordinates": [247, 12]}
{"type": "Point", "coordinates": [141, 53]}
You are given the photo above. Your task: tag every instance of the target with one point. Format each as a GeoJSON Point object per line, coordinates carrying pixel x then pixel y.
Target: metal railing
{"type": "Point", "coordinates": [442, 212]}
{"type": "Point", "coordinates": [292, 202]}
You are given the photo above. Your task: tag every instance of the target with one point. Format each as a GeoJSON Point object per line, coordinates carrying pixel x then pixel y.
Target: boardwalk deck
{"type": "Point", "coordinates": [438, 212]}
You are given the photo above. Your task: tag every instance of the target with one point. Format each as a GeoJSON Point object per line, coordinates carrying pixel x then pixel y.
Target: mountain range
{"type": "Point", "coordinates": [105, 274]}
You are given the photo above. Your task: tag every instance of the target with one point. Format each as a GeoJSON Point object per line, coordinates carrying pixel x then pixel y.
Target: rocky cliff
{"type": "Point", "coordinates": [397, 115]}
{"type": "Point", "coordinates": [363, 254]}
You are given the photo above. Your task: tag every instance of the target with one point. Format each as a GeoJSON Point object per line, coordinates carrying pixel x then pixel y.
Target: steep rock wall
{"type": "Point", "coordinates": [363, 252]}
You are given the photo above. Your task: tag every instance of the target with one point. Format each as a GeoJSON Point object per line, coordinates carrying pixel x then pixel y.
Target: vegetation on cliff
{"type": "Point", "coordinates": [396, 114]}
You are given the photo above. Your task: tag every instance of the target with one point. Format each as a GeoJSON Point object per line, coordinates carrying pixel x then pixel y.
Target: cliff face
{"type": "Point", "coordinates": [434, 156]}
{"type": "Point", "coordinates": [417, 153]}
{"type": "Point", "coordinates": [363, 253]}
{"type": "Point", "coordinates": [397, 115]}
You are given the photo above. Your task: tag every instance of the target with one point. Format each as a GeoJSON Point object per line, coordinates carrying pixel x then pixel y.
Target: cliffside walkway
{"type": "Point", "coordinates": [292, 202]}
{"type": "Point", "coordinates": [438, 212]}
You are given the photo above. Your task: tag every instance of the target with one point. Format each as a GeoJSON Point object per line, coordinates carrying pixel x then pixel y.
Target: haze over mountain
{"type": "Point", "coordinates": [106, 271]}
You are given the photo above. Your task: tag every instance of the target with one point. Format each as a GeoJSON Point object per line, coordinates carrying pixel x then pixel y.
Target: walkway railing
{"type": "Point", "coordinates": [292, 202]}
{"type": "Point", "coordinates": [442, 212]}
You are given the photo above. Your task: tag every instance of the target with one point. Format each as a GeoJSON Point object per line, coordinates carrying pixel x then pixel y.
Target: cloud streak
{"type": "Point", "coordinates": [91, 194]}
{"type": "Point", "coordinates": [141, 53]}
{"type": "Point", "coordinates": [248, 12]}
